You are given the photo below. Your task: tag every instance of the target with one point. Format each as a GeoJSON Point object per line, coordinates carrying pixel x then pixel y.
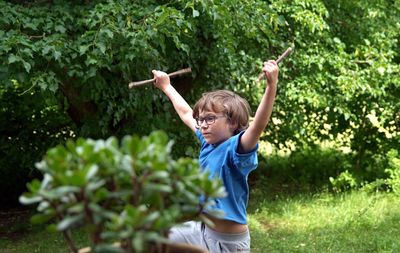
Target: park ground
{"type": "Point", "coordinates": [320, 222]}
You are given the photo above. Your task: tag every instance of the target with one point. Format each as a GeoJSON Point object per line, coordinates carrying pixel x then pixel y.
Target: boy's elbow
{"type": "Point", "coordinates": [250, 139]}
{"type": "Point", "coordinates": [246, 147]}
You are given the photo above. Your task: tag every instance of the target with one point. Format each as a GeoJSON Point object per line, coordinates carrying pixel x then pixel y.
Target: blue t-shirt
{"type": "Point", "coordinates": [232, 168]}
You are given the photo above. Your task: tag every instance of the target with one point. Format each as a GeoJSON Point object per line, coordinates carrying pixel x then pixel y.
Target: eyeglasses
{"type": "Point", "coordinates": [208, 119]}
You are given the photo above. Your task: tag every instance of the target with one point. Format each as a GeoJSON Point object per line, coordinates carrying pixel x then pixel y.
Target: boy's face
{"type": "Point", "coordinates": [215, 127]}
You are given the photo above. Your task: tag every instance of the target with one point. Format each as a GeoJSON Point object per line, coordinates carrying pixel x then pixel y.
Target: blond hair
{"type": "Point", "coordinates": [234, 107]}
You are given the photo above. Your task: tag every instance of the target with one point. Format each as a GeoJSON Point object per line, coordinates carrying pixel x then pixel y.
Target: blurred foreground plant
{"type": "Point", "coordinates": [131, 192]}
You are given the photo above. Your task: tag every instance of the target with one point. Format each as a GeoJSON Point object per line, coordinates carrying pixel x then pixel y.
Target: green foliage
{"type": "Point", "coordinates": [131, 192]}
{"type": "Point", "coordinates": [344, 182]}
{"type": "Point", "coordinates": [27, 130]}
{"type": "Point", "coordinates": [341, 84]}
{"type": "Point", "coordinates": [391, 183]}
{"type": "Point", "coordinates": [394, 171]}
{"type": "Point", "coordinates": [305, 169]}
{"type": "Point", "coordinates": [86, 55]}
{"type": "Point", "coordinates": [309, 223]}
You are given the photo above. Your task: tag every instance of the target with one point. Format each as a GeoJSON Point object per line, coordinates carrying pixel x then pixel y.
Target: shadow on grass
{"type": "Point", "coordinates": [14, 223]}
{"type": "Point", "coordinates": [18, 235]}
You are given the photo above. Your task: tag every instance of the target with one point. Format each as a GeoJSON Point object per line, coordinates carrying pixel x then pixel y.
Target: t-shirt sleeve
{"type": "Point", "coordinates": [244, 162]}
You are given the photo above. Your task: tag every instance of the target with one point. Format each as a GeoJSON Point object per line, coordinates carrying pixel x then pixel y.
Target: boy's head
{"type": "Point", "coordinates": [232, 106]}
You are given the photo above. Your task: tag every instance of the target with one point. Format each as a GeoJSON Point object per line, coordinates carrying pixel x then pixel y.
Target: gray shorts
{"type": "Point", "coordinates": [197, 233]}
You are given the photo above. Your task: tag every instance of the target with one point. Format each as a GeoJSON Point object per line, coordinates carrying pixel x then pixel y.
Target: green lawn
{"type": "Point", "coordinates": [37, 240]}
{"type": "Point", "coordinates": [350, 222]}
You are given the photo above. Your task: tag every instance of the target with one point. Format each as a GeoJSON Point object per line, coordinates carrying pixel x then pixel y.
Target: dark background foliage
{"type": "Point", "coordinates": [65, 68]}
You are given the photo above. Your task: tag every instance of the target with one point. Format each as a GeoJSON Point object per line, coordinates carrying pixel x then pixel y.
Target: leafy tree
{"type": "Point", "coordinates": [341, 84]}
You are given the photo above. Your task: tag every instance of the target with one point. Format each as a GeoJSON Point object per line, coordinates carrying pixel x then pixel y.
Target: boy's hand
{"type": "Point", "coordinates": [162, 79]}
{"type": "Point", "coordinates": [271, 71]}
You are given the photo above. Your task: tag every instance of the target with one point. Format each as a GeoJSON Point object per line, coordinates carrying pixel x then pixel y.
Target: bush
{"type": "Point", "coordinates": [394, 171]}
{"type": "Point", "coordinates": [344, 182]}
{"type": "Point", "coordinates": [306, 168]}
{"type": "Point", "coordinates": [28, 129]}
{"type": "Point", "coordinates": [131, 193]}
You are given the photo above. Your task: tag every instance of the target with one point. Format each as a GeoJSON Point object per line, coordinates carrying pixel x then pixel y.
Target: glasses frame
{"type": "Point", "coordinates": [209, 120]}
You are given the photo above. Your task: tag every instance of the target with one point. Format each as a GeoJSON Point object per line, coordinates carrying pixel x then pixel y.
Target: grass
{"type": "Point", "coordinates": [17, 235]}
{"type": "Point", "coordinates": [349, 222]}
{"type": "Point", "coordinates": [36, 240]}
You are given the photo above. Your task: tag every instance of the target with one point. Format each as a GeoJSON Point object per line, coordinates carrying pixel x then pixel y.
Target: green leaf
{"type": "Point", "coordinates": [195, 13]}
{"type": "Point", "coordinates": [52, 228]}
{"type": "Point", "coordinates": [13, 58]}
{"type": "Point", "coordinates": [151, 217]}
{"type": "Point", "coordinates": [164, 15]}
{"type": "Point", "coordinates": [25, 200]}
{"type": "Point", "coordinates": [92, 186]}
{"type": "Point", "coordinates": [83, 49]}
{"type": "Point", "coordinates": [159, 175]}
{"type": "Point", "coordinates": [78, 208]}
{"type": "Point", "coordinates": [27, 66]}
{"type": "Point", "coordinates": [158, 188]}
{"type": "Point", "coordinates": [91, 61]}
{"type": "Point", "coordinates": [41, 218]}
{"type": "Point", "coordinates": [92, 171]}
{"type": "Point", "coordinates": [102, 47]}
{"type": "Point", "coordinates": [138, 241]}
{"type": "Point", "coordinates": [64, 190]}
{"type": "Point", "coordinates": [56, 55]}
{"type": "Point", "coordinates": [43, 206]}
{"type": "Point", "coordinates": [47, 49]}
{"type": "Point", "coordinates": [109, 33]}
{"type": "Point", "coordinates": [69, 222]}
{"type": "Point", "coordinates": [60, 28]}
{"type": "Point", "coordinates": [34, 186]}
{"type": "Point", "coordinates": [107, 248]}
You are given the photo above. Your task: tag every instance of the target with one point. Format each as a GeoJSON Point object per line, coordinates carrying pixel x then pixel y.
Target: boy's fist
{"type": "Point", "coordinates": [161, 79]}
{"type": "Point", "coordinates": [271, 71]}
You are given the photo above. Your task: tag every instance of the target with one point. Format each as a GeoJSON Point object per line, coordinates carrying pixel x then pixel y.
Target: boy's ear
{"type": "Point", "coordinates": [233, 125]}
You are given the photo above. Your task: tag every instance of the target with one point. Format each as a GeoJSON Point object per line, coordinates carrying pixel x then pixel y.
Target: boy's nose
{"type": "Point", "coordinates": [203, 124]}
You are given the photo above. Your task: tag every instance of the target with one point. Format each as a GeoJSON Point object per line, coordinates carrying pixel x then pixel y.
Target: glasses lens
{"type": "Point", "coordinates": [210, 119]}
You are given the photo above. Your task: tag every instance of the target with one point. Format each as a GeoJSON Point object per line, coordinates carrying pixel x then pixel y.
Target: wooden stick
{"type": "Point", "coordinates": [286, 53]}
{"type": "Point", "coordinates": [176, 73]}
{"type": "Point", "coordinates": [280, 58]}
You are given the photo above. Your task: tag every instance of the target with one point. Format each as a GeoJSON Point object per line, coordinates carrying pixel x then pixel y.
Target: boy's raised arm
{"type": "Point", "coordinates": [181, 106]}
{"type": "Point", "coordinates": [251, 136]}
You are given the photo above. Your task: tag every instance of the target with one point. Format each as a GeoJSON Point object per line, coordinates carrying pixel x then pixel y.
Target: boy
{"type": "Point", "coordinates": [228, 150]}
